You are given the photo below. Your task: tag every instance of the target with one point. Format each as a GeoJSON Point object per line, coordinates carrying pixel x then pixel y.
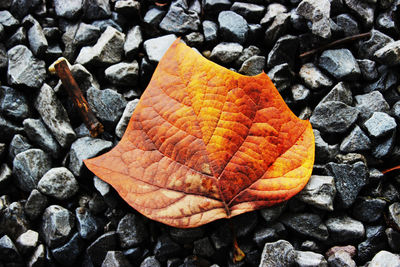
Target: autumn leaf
{"type": "Point", "coordinates": [206, 143]}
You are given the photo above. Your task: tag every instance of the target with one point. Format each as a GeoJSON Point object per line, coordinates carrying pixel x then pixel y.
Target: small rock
{"type": "Point", "coordinates": [8, 21]}
{"type": "Point", "coordinates": [233, 27]}
{"type": "Point", "coordinates": [324, 151]}
{"type": "Point", "coordinates": [273, 10]}
{"type": "Point", "coordinates": [150, 261]}
{"type": "Point", "coordinates": [363, 10]}
{"type": "Point", "coordinates": [29, 166]}
{"type": "Point", "coordinates": [27, 242]}
{"type": "Point", "coordinates": [97, 251]}
{"type": "Point", "coordinates": [69, 252]}
{"type": "Point", "coordinates": [127, 7]}
{"type": "Point", "coordinates": [8, 129]}
{"type": "Point", "coordinates": [272, 213]}
{"type": "Point", "coordinates": [166, 248]}
{"type": "Point", "coordinates": [347, 24]}
{"type": "Point", "coordinates": [394, 214]}
{"type": "Point", "coordinates": [244, 223]}
{"type": "Point", "coordinates": [180, 20]}
{"type": "Point", "coordinates": [356, 141]}
{"type": "Point", "coordinates": [376, 241]}
{"type": "Point", "coordinates": [57, 225]}
{"type": "Point", "coordinates": [107, 104]}
{"type": "Point", "coordinates": [377, 40]}
{"type": "Point", "coordinates": [310, 259]}
{"type": "Point", "coordinates": [41, 136]}
{"type": "Point", "coordinates": [320, 192]}
{"type": "Point", "coordinates": [18, 38]}
{"type": "Point", "coordinates": [210, 30]}
{"type": "Point", "coordinates": [8, 251]}
{"type": "Point", "coordinates": [84, 78]}
{"type": "Point", "coordinates": [387, 79]}
{"type": "Point", "coordinates": [264, 235]}
{"type": "Point", "coordinates": [24, 68]}
{"type": "Point", "coordinates": [341, 259]}
{"type": "Point", "coordinates": [3, 53]}
{"type": "Point", "coordinates": [226, 53]}
{"type": "Point", "coordinates": [69, 10]}
{"type": "Point", "coordinates": [215, 6]}
{"type": "Point", "coordinates": [279, 253]}
{"type": "Point", "coordinates": [300, 93]}
{"type": "Point", "coordinates": [38, 257]}
{"type": "Point", "coordinates": [84, 148]}
{"type": "Point", "coordinates": [282, 76]}
{"type": "Point", "coordinates": [186, 235]}
{"type": "Point", "coordinates": [344, 229]}
{"type": "Point", "coordinates": [133, 41]}
{"type": "Point", "coordinates": [86, 34]}
{"type": "Point", "coordinates": [341, 92]}
{"type": "Point", "coordinates": [253, 66]}
{"type": "Point", "coordinates": [340, 63]}
{"type": "Point", "coordinates": [251, 12]}
{"type": "Point", "coordinates": [278, 28]}
{"type": "Point", "coordinates": [13, 221]}
{"type": "Point", "coordinates": [154, 16]}
{"type": "Point", "coordinates": [123, 73]}
{"type": "Point", "coordinates": [349, 180]}
{"type": "Point", "coordinates": [59, 183]}
{"type": "Point", "coordinates": [393, 238]}
{"type": "Point", "coordinates": [318, 13]}
{"type": "Point", "coordinates": [87, 224]}
{"type": "Point", "coordinates": [5, 174]}
{"type": "Point", "coordinates": [155, 48]}
{"type": "Point", "coordinates": [380, 124]}
{"type": "Point", "coordinates": [115, 259]}
{"type": "Point", "coordinates": [389, 54]}
{"type": "Point", "coordinates": [368, 69]}
{"type": "Point", "coordinates": [284, 51]}
{"type": "Point", "coordinates": [194, 39]}
{"type": "Point", "coordinates": [96, 9]}
{"type": "Point", "coordinates": [385, 258]}
{"type": "Point", "coordinates": [368, 210]}
{"type": "Point", "coordinates": [108, 49]}
{"type": "Point", "coordinates": [313, 77]}
{"type": "Point", "coordinates": [35, 204]}
{"type": "Point", "coordinates": [37, 39]}
{"type": "Point", "coordinates": [203, 248]}
{"type": "Point", "coordinates": [18, 144]}
{"type": "Point", "coordinates": [395, 111]}
{"type": "Point", "coordinates": [333, 117]}
{"type": "Point", "coordinates": [349, 249]}
{"type": "Point", "coordinates": [247, 53]}
{"type": "Point", "coordinates": [307, 224]}
{"type": "Point", "coordinates": [368, 103]}
{"type": "Point", "coordinates": [13, 103]}
{"type": "Point", "coordinates": [105, 191]}
{"type": "Point", "coordinates": [54, 116]}
{"type": "Point", "coordinates": [386, 22]}
{"type": "Point", "coordinates": [131, 231]}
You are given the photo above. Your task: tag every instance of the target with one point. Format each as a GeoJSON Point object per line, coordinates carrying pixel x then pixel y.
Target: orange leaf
{"type": "Point", "coordinates": [206, 143]}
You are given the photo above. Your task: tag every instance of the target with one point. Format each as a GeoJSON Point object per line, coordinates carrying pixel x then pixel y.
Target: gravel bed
{"type": "Point", "coordinates": [53, 212]}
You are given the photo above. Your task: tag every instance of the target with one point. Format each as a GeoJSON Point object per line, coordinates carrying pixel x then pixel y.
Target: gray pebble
{"type": "Point", "coordinates": [278, 28]}
{"type": "Point", "coordinates": [367, 209]}
{"type": "Point", "coordinates": [344, 229]}
{"type": "Point", "coordinates": [247, 53]}
{"type": "Point", "coordinates": [319, 192]}
{"type": "Point", "coordinates": [97, 9]}
{"type": "Point", "coordinates": [27, 242]}
{"type": "Point", "coordinates": [363, 10]}
{"type": "Point", "coordinates": [35, 204]}
{"type": "Point", "coordinates": [8, 129]}
{"type": "Point", "coordinates": [156, 47]}
{"type": "Point", "coordinates": [313, 77]}
{"type": "Point", "coordinates": [131, 231]}
{"type": "Point", "coordinates": [307, 224]}
{"type": "Point", "coordinates": [310, 259]}
{"type": "Point", "coordinates": [232, 27]}
{"type": "Point", "coordinates": [37, 40]}
{"type": "Point", "coordinates": [127, 7]}
{"type": "Point", "coordinates": [281, 76]}
{"type": "Point", "coordinates": [123, 73]}
{"type": "Point", "coordinates": [69, 10]}
{"type": "Point", "coordinates": [150, 261]}
{"type": "Point", "coordinates": [394, 214]}
{"type": "Point", "coordinates": [98, 249]}
{"type": "Point", "coordinates": [86, 223]}
{"type": "Point", "coordinates": [195, 39]}
{"type": "Point", "coordinates": [226, 53]}
{"type": "Point", "coordinates": [356, 141]}
{"type": "Point", "coordinates": [273, 10]}
{"type": "Point", "coordinates": [18, 144]}
{"type": "Point", "coordinates": [133, 41]}
{"type": "Point", "coordinates": [368, 103]}
{"type": "Point", "coordinates": [389, 54]}
{"type": "Point", "coordinates": [180, 20]}
{"type": "Point", "coordinates": [270, 214]}
{"type": "Point", "coordinates": [210, 30]}
{"type": "Point", "coordinates": [68, 253]}
{"type": "Point", "coordinates": [279, 253]}
{"type": "Point", "coordinates": [385, 258]}
{"type": "Point", "coordinates": [380, 124]}
{"type": "Point", "coordinates": [324, 151]}
{"type": "Point", "coordinates": [251, 12]}
{"type": "Point", "coordinates": [368, 69]}
{"type": "Point", "coordinates": [13, 103]}
{"type": "Point", "coordinates": [13, 221]}
{"type": "Point", "coordinates": [115, 259]}
{"type": "Point", "coordinates": [154, 16]}
{"type": "Point", "coordinates": [253, 66]}
{"type": "Point", "coordinates": [341, 259]}
{"type": "Point", "coordinates": [340, 92]}
{"type": "Point", "coordinates": [347, 24]}
{"type": "Point", "coordinates": [318, 13]}
{"type": "Point", "coordinates": [340, 63]}
{"type": "Point", "coordinates": [300, 93]}
{"type": "Point", "coordinates": [57, 225]}
{"type": "Point", "coordinates": [283, 51]}
{"type": "Point", "coordinates": [126, 115]}
{"type": "Point", "coordinates": [8, 251]}
{"type": "Point", "coordinates": [377, 40]}
{"type": "Point", "coordinates": [59, 183]}
{"type": "Point", "coordinates": [18, 38]}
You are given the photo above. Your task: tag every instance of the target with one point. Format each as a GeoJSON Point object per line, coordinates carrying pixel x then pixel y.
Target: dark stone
{"type": "Point", "coordinates": [98, 249]}
{"type": "Point", "coordinates": [333, 117]}
{"type": "Point", "coordinates": [233, 27]}
{"type": "Point", "coordinates": [222, 237]}
{"type": "Point", "coordinates": [131, 231]}
{"type": "Point", "coordinates": [385, 147]}
{"type": "Point", "coordinates": [213, 7]}
{"type": "Point", "coordinates": [115, 259]}
{"type": "Point", "coordinates": [38, 258]}
{"type": "Point", "coordinates": [123, 73]}
{"type": "Point", "coordinates": [154, 16]}
{"type": "Point", "coordinates": [127, 8]}
{"type": "Point", "coordinates": [387, 22]}
{"type": "Point", "coordinates": [8, 251]}
{"type": "Point", "coordinates": [380, 124]}
{"type": "Point", "coordinates": [67, 254]}
{"type": "Point", "coordinates": [186, 236]}
{"type": "Point", "coordinates": [344, 229]}
{"type": "Point", "coordinates": [166, 248]}
{"type": "Point", "coordinates": [341, 92]}
{"type": "Point", "coordinates": [377, 40]}
{"type": "Point", "coordinates": [133, 41]}
{"type": "Point", "coordinates": [369, 103]}
{"type": "Point", "coordinates": [210, 30]}
{"type": "Point", "coordinates": [244, 224]}
{"type": "Point", "coordinates": [319, 192]}
{"type": "Point", "coordinates": [364, 10]}
{"type": "Point", "coordinates": [375, 241]}
{"type": "Point", "coordinates": [24, 68]}
{"type": "Point", "coordinates": [57, 225]}
{"type": "Point", "coordinates": [5, 175]}
{"type": "Point", "coordinates": [279, 253]}
{"type": "Point", "coordinates": [284, 51]}
{"type": "Point", "coordinates": [253, 66]}
{"type": "Point", "coordinates": [387, 79]}
{"type": "Point", "coordinates": [394, 214]}
{"type": "Point", "coordinates": [203, 248]}
{"type": "Point", "coordinates": [340, 63]}
{"type": "Point", "coordinates": [226, 53]}
{"type": "Point", "coordinates": [349, 180]}
{"type": "Point", "coordinates": [97, 9]}
{"type": "Point", "coordinates": [13, 103]}
{"type": "Point", "coordinates": [133, 254]}
{"type": "Point", "coordinates": [313, 77]}
{"type": "Point", "coordinates": [251, 12]}
{"type": "Point", "coordinates": [268, 234]}
{"type": "Point", "coordinates": [389, 54]}
{"type": "Point", "coordinates": [356, 141]}
{"type": "Point", "coordinates": [18, 144]}
{"type": "Point", "coordinates": [180, 20]}
{"type": "Point", "coordinates": [307, 224]}
{"type": "Point", "coordinates": [13, 221]}
{"type": "Point", "coordinates": [86, 34]}
{"type": "Point", "coordinates": [69, 10]}
{"type": "Point", "coordinates": [368, 210]}
{"type": "Point", "coordinates": [59, 183]}
{"type": "Point", "coordinates": [368, 69]}
{"type": "Point", "coordinates": [277, 29]}
{"type": "Point", "coordinates": [195, 39]}
{"type": "Point", "coordinates": [393, 238]}
{"type": "Point", "coordinates": [86, 223]}
{"type": "Point", "coordinates": [347, 24]}
{"type": "Point", "coordinates": [150, 261]}
{"type": "Point", "coordinates": [318, 13]}
{"type": "Point", "coordinates": [282, 76]}
{"type": "Point", "coordinates": [8, 129]}
{"type": "Point", "coordinates": [35, 204]}
{"type": "Point", "coordinates": [29, 166]}
{"type": "Point", "coordinates": [247, 53]}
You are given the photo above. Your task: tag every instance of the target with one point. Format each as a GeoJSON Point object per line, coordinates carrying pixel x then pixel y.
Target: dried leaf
{"type": "Point", "coordinates": [206, 143]}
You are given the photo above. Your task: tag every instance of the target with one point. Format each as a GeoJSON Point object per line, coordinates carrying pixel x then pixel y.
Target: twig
{"type": "Point", "coordinates": [335, 43]}
{"type": "Point", "coordinates": [391, 169]}
{"type": "Point", "coordinates": [60, 67]}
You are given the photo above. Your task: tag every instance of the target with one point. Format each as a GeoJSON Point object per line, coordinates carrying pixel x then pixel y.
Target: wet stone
{"type": "Point", "coordinates": [35, 204]}
{"type": "Point", "coordinates": [203, 248]}
{"type": "Point", "coordinates": [86, 223]}
{"type": "Point", "coordinates": [368, 210]}
{"type": "Point", "coordinates": [84, 148]}
{"type": "Point", "coordinates": [389, 54]}
{"type": "Point", "coordinates": [319, 192]}
{"type": "Point", "coordinates": [156, 47]}
{"type": "Point", "coordinates": [186, 236]}
{"type": "Point", "coordinates": [356, 141]}
{"type": "Point", "coordinates": [283, 51]}
{"type": "Point", "coordinates": [8, 251]}
{"type": "Point", "coordinates": [98, 249]}
{"type": "Point", "coordinates": [344, 229]}
{"type": "Point", "coordinates": [279, 253]}
{"type": "Point", "coordinates": [253, 66]}
{"type": "Point", "coordinates": [310, 259]}
{"type": "Point", "coordinates": [54, 115]}
{"type": "Point", "coordinates": [333, 117]}
{"type": "Point", "coordinates": [232, 27]}
{"type": "Point", "coordinates": [131, 231]}
{"type": "Point", "coordinates": [133, 41]}
{"type": "Point", "coordinates": [13, 103]}
{"type": "Point", "coordinates": [107, 104]}
{"type": "Point", "coordinates": [166, 248]}
{"type": "Point", "coordinates": [380, 124]}
{"type": "Point", "coordinates": [313, 77]}
{"type": "Point", "coordinates": [368, 69]}
{"type": "Point", "coordinates": [57, 225]}
{"type": "Point", "coordinates": [59, 183]}
{"type": "Point", "coordinates": [27, 242]}
{"type": "Point", "coordinates": [251, 12]}
{"type": "Point", "coordinates": [307, 224]}
{"type": "Point", "coordinates": [13, 221]}
{"type": "Point", "coordinates": [340, 63]}
{"type": "Point", "coordinates": [226, 53]}
{"type": "Point", "coordinates": [180, 20]}
{"type": "Point", "coordinates": [69, 252]}
{"type": "Point", "coordinates": [385, 258]}
{"type": "Point", "coordinates": [41, 136]}
{"type": "Point", "coordinates": [368, 103]}
{"type": "Point", "coordinates": [24, 68]}
{"type": "Point", "coordinates": [349, 180]}
{"type": "Point", "coordinates": [29, 166]}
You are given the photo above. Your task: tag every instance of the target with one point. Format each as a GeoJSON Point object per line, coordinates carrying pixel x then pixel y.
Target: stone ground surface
{"type": "Point", "coordinates": [53, 212]}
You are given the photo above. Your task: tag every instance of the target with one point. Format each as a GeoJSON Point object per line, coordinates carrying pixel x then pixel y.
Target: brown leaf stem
{"type": "Point", "coordinates": [336, 43]}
